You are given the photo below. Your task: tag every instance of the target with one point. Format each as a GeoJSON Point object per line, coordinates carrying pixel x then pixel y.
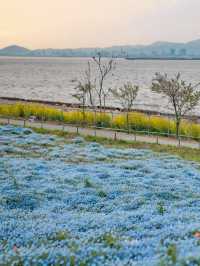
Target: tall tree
{"type": "Point", "coordinates": [84, 89]}
{"type": "Point", "coordinates": [182, 96]}
{"type": "Point", "coordinates": [104, 68]}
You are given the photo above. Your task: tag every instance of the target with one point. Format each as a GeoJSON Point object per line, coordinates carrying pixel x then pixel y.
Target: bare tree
{"type": "Point", "coordinates": [182, 96]}
{"type": "Point", "coordinates": [80, 95]}
{"type": "Point", "coordinates": [84, 89]}
{"type": "Point", "coordinates": [104, 69]}
{"type": "Point", "coordinates": [126, 96]}
{"type": "Point", "coordinates": [90, 85]}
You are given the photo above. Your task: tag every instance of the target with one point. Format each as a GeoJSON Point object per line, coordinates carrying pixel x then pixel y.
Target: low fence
{"type": "Point", "coordinates": [111, 132]}
{"type": "Point", "coordinates": [139, 123]}
{"type": "Point", "coordinates": [142, 123]}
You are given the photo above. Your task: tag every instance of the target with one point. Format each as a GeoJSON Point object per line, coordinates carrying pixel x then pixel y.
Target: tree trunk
{"type": "Point", "coordinates": [91, 99]}
{"type": "Point", "coordinates": [127, 121]}
{"type": "Point", "coordinates": [101, 95]}
{"type": "Point", "coordinates": [104, 102]}
{"type": "Point", "coordinates": [83, 111]}
{"type": "Point", "coordinates": [177, 128]}
{"type": "Point", "coordinates": [100, 103]}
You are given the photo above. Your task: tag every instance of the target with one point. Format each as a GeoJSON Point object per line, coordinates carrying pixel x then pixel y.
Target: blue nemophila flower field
{"type": "Point", "coordinates": [69, 202]}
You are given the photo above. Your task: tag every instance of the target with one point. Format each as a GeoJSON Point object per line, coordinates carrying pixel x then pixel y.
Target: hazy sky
{"type": "Point", "coordinates": [88, 23]}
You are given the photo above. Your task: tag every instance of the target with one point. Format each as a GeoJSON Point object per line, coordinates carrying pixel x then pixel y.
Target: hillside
{"type": "Point", "coordinates": [66, 201]}
{"type": "Point", "coordinates": [14, 50]}
{"type": "Point", "coordinates": [155, 50]}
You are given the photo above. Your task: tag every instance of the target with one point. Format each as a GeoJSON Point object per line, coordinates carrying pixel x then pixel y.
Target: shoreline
{"type": "Point", "coordinates": [117, 57]}
{"type": "Point", "coordinates": [164, 58]}
{"type": "Point", "coordinates": [66, 106]}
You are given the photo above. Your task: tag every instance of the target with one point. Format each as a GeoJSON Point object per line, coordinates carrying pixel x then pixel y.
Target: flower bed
{"type": "Point", "coordinates": [137, 121]}
{"type": "Point", "coordinates": [69, 202]}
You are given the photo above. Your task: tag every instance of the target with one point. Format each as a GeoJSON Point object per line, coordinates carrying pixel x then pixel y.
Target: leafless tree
{"type": "Point", "coordinates": [182, 96]}
{"type": "Point", "coordinates": [104, 69]}
{"type": "Point", "coordinates": [80, 95]}
{"type": "Point", "coordinates": [84, 89]}
{"type": "Point", "coordinates": [90, 85]}
{"type": "Point", "coordinates": [126, 96]}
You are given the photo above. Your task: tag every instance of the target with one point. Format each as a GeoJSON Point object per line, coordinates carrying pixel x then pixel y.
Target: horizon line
{"type": "Point", "coordinates": [98, 47]}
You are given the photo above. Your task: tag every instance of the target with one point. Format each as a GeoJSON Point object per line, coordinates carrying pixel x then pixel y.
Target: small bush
{"type": "Point", "coordinates": [110, 240]}
{"type": "Point", "coordinates": [102, 194]}
{"type": "Point", "coordinates": [172, 253]}
{"type": "Point", "coordinates": [161, 209]}
{"type": "Point", "coordinates": [88, 183]}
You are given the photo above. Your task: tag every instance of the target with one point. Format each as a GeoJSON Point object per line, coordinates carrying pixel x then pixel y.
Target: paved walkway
{"type": "Point", "coordinates": [104, 133]}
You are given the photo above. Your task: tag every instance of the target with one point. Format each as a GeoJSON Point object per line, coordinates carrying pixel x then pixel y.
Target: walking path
{"type": "Point", "coordinates": [106, 133]}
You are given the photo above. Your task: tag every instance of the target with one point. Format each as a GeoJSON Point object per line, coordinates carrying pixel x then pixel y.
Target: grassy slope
{"type": "Point", "coordinates": [185, 153]}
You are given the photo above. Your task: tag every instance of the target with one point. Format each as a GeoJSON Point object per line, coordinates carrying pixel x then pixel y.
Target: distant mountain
{"type": "Point", "coordinates": [194, 43]}
{"type": "Point", "coordinates": [14, 50]}
{"type": "Point", "coordinates": [155, 50]}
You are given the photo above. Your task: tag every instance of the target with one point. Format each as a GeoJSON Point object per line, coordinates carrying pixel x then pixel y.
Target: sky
{"type": "Point", "coordinates": [97, 23]}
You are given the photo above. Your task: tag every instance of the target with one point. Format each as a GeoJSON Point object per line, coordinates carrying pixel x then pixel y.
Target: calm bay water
{"type": "Point", "coordinates": [50, 78]}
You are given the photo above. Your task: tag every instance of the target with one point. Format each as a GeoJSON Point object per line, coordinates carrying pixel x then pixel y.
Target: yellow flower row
{"type": "Point", "coordinates": [135, 121]}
